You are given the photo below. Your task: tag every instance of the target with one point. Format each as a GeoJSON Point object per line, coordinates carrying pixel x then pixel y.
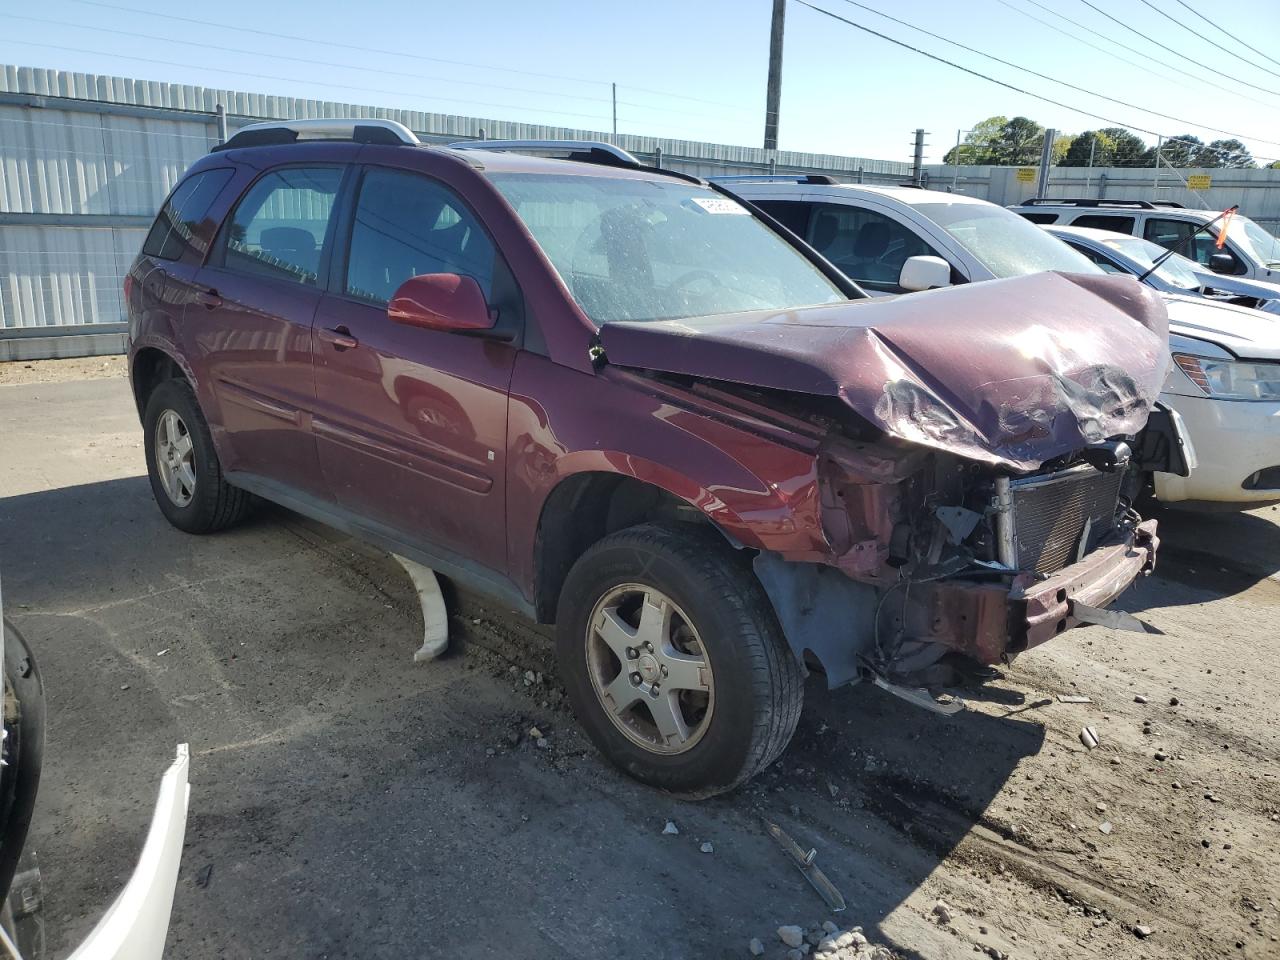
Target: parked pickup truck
{"type": "Point", "coordinates": [622, 401]}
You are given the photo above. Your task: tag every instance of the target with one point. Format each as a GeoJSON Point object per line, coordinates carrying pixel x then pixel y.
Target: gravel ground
{"type": "Point", "coordinates": [347, 802]}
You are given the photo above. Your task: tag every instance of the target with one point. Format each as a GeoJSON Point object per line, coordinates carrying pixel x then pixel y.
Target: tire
{"type": "Point", "coordinates": [719, 615]}
{"type": "Point", "coordinates": [207, 503]}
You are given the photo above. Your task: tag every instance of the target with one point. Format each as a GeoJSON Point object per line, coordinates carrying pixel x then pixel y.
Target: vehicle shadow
{"type": "Point", "coordinates": [325, 761]}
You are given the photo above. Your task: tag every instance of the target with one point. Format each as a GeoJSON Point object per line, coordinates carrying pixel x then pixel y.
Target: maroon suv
{"type": "Point", "coordinates": [621, 401]}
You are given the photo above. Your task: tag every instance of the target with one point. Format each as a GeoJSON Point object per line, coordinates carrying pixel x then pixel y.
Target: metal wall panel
{"type": "Point", "coordinates": [61, 276]}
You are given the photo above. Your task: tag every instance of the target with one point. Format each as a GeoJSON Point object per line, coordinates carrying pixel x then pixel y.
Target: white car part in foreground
{"type": "Point", "coordinates": [135, 925]}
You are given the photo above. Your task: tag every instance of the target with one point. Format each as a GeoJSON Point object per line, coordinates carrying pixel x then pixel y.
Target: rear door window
{"type": "Point", "coordinates": [1099, 221]}
{"type": "Point", "coordinates": [179, 228]}
{"type": "Point", "coordinates": [1039, 217]}
{"type": "Point", "coordinates": [867, 246]}
{"type": "Point", "coordinates": [279, 226]}
{"type": "Point", "coordinates": [1167, 233]}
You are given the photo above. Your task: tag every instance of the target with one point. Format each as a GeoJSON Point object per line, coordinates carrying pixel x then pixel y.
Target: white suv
{"type": "Point", "coordinates": [892, 240]}
{"type": "Point", "coordinates": [1248, 251]}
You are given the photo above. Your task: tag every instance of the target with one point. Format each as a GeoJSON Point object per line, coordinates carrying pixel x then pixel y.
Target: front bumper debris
{"type": "Point", "coordinates": [990, 622]}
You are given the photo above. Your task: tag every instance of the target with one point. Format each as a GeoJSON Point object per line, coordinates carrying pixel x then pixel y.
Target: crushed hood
{"type": "Point", "coordinates": [1008, 372]}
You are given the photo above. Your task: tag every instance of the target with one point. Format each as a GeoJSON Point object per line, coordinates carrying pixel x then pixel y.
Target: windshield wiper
{"type": "Point", "coordinates": [1160, 260]}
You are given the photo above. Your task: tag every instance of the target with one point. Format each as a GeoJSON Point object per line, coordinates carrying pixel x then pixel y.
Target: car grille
{"type": "Point", "coordinates": [1050, 514]}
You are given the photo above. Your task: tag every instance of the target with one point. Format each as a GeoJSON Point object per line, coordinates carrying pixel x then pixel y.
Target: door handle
{"type": "Point", "coordinates": [208, 298]}
{"type": "Point", "coordinates": [339, 338]}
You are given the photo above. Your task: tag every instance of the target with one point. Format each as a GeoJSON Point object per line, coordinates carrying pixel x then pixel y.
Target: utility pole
{"type": "Point", "coordinates": [773, 96]}
{"type": "Point", "coordinates": [1046, 161]}
{"type": "Point", "coordinates": [221, 113]}
{"type": "Point", "coordinates": [615, 114]}
{"type": "Point", "coordinates": [917, 160]}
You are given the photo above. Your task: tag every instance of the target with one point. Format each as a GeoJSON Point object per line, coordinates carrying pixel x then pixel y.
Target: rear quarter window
{"type": "Point", "coordinates": [1039, 217]}
{"type": "Point", "coordinates": [1100, 221]}
{"type": "Point", "coordinates": [179, 228]}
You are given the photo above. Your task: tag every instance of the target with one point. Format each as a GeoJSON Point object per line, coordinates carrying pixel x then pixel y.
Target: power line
{"type": "Point", "coordinates": [382, 51]}
{"type": "Point", "coordinates": [1045, 76]}
{"type": "Point", "coordinates": [1146, 56]}
{"type": "Point", "coordinates": [1145, 68]}
{"type": "Point", "coordinates": [1135, 30]}
{"type": "Point", "coordinates": [1198, 36]}
{"type": "Point", "coordinates": [348, 66]}
{"type": "Point", "coordinates": [268, 76]}
{"type": "Point", "coordinates": [983, 76]}
{"type": "Point", "coordinates": [1223, 31]}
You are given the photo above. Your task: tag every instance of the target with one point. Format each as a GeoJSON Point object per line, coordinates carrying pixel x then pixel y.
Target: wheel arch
{"type": "Point", "coordinates": [149, 367]}
{"type": "Point", "coordinates": [586, 506]}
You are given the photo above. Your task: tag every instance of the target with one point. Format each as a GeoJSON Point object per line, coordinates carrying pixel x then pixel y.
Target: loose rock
{"type": "Point", "coordinates": [671, 830]}
{"type": "Point", "coordinates": [1142, 931]}
{"type": "Point", "coordinates": [942, 912]}
{"type": "Point", "coordinates": [756, 947]}
{"type": "Point", "coordinates": [792, 936]}
{"type": "Point", "coordinates": [1139, 699]}
{"type": "Point", "coordinates": [708, 848]}
{"type": "Point", "coordinates": [830, 927]}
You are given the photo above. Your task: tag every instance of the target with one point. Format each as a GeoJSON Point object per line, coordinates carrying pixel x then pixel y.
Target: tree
{"type": "Point", "coordinates": [1225, 153]}
{"type": "Point", "coordinates": [1126, 147]}
{"type": "Point", "coordinates": [1179, 151]}
{"type": "Point", "coordinates": [1091, 148]}
{"type": "Point", "coordinates": [976, 148]}
{"type": "Point", "coordinates": [1275, 166]}
{"type": "Point", "coordinates": [1019, 143]}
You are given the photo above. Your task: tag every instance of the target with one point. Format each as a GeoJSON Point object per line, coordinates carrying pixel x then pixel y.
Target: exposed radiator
{"type": "Point", "coordinates": [1050, 515]}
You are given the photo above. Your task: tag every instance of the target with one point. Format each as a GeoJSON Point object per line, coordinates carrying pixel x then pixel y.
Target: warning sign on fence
{"type": "Point", "coordinates": [1199, 181]}
{"type": "Point", "coordinates": [1026, 174]}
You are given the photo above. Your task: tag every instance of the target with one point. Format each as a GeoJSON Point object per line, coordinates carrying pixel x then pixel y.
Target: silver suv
{"type": "Point", "coordinates": [1248, 251]}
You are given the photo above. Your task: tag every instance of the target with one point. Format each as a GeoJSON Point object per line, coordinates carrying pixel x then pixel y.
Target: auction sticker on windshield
{"type": "Point", "coordinates": [720, 205]}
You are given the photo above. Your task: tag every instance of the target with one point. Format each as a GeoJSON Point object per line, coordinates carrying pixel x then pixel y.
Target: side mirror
{"type": "Point", "coordinates": [924, 273]}
{"type": "Point", "coordinates": [1222, 263]}
{"type": "Point", "coordinates": [441, 301]}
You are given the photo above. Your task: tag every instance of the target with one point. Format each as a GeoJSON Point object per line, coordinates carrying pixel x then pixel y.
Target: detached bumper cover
{"type": "Point", "coordinates": [991, 621]}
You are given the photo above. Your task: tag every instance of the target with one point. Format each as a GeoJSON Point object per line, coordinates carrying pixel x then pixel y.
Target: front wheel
{"type": "Point", "coordinates": [674, 660]}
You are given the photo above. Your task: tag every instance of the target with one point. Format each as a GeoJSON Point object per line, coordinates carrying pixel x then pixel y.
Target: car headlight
{"type": "Point", "coordinates": [1232, 379]}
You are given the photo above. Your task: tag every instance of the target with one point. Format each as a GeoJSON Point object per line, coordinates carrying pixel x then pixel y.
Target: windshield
{"type": "Point", "coordinates": [1265, 246]}
{"type": "Point", "coordinates": [1004, 242]}
{"type": "Point", "coordinates": [1177, 270]}
{"type": "Point", "coordinates": [660, 250]}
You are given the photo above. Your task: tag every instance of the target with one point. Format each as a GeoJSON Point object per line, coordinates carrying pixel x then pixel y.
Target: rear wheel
{"type": "Point", "coordinates": [186, 477]}
{"type": "Point", "coordinates": [674, 661]}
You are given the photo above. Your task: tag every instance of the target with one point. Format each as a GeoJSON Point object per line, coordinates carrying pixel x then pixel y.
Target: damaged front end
{"type": "Point", "coordinates": [973, 476]}
{"type": "Point", "coordinates": [942, 564]}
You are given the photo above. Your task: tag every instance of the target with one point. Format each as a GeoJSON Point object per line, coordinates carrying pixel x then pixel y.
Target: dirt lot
{"type": "Point", "coordinates": [347, 802]}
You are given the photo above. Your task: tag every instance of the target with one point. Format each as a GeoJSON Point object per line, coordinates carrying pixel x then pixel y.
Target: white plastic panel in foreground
{"type": "Point", "coordinates": [135, 925]}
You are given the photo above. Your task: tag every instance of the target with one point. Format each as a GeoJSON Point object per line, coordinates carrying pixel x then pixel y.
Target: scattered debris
{"type": "Point", "coordinates": [942, 912]}
{"type": "Point", "coordinates": [1105, 826]}
{"type": "Point", "coordinates": [1100, 807]}
{"type": "Point", "coordinates": [1074, 698]}
{"type": "Point", "coordinates": [1142, 931]}
{"type": "Point", "coordinates": [1139, 699]}
{"type": "Point", "coordinates": [805, 862]}
{"type": "Point", "coordinates": [1089, 737]}
{"type": "Point", "coordinates": [535, 733]}
{"type": "Point", "coordinates": [161, 653]}
{"type": "Point", "coordinates": [792, 936]}
{"type": "Point", "coordinates": [542, 743]}
{"type": "Point", "coordinates": [756, 947]}
{"type": "Point", "coordinates": [202, 878]}
{"type": "Point", "coordinates": [707, 847]}
{"type": "Point", "coordinates": [671, 830]}
{"type": "Point", "coordinates": [1173, 701]}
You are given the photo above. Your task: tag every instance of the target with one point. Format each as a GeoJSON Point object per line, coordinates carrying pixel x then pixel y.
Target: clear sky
{"type": "Point", "coordinates": [694, 68]}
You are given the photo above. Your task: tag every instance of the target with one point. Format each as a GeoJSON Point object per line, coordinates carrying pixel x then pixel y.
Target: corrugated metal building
{"type": "Point", "coordinates": [86, 160]}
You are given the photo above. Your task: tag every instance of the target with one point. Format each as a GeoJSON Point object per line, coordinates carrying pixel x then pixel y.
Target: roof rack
{"type": "Point", "coordinates": [583, 151]}
{"type": "Point", "coordinates": [275, 132]}
{"type": "Point", "coordinates": [814, 178]}
{"type": "Point", "coordinates": [1103, 202]}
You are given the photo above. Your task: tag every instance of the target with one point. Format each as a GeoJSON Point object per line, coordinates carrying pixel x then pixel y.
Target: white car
{"type": "Point", "coordinates": [1122, 253]}
{"type": "Point", "coordinates": [1249, 250]}
{"type": "Point", "coordinates": [1225, 381]}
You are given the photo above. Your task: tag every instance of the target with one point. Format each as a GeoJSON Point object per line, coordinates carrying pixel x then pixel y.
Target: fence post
{"type": "Point", "coordinates": [221, 112]}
